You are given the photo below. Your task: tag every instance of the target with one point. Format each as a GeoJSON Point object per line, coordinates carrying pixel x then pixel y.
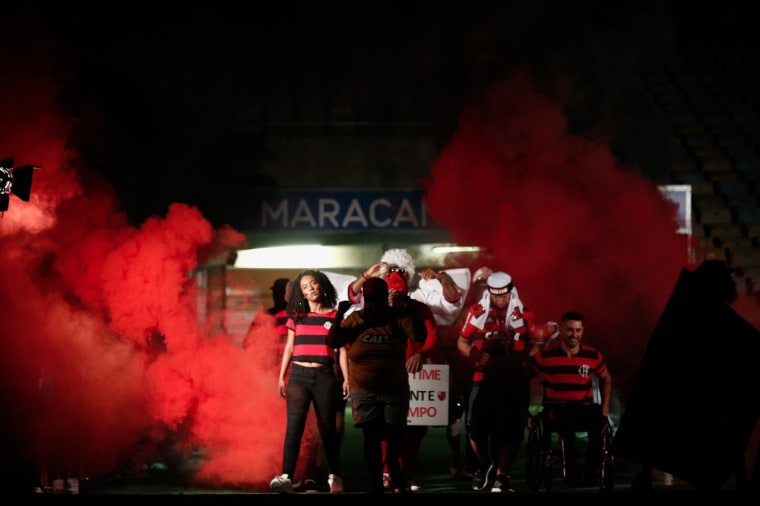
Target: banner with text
{"type": "Point", "coordinates": [330, 211]}
{"type": "Point", "coordinates": [429, 396]}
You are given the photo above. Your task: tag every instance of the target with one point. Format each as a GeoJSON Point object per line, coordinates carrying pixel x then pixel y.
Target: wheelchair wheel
{"type": "Point", "coordinates": [535, 455]}
{"type": "Point", "coordinates": [548, 476]}
{"type": "Point", "coordinates": [561, 459]}
{"type": "Point", "coordinates": [607, 477]}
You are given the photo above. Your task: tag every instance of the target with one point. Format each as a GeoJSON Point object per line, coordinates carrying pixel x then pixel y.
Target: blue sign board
{"type": "Point", "coordinates": [342, 211]}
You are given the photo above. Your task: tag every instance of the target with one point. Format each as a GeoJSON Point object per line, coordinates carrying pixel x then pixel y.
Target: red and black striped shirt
{"type": "Point", "coordinates": [310, 343]}
{"type": "Point", "coordinates": [565, 378]}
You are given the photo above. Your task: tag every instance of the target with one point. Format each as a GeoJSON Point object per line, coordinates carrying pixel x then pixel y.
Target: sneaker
{"type": "Point", "coordinates": [281, 484]}
{"type": "Point", "coordinates": [386, 481]}
{"type": "Point", "coordinates": [501, 484]}
{"type": "Point", "coordinates": [407, 488]}
{"type": "Point", "coordinates": [480, 478]}
{"type": "Point", "coordinates": [336, 484]}
{"type": "Point", "coordinates": [309, 486]}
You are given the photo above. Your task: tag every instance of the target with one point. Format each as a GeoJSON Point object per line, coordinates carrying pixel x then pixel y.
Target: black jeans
{"type": "Point", "coordinates": [307, 386]}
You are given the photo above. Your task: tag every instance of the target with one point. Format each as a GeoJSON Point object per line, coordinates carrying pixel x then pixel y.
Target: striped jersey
{"type": "Point", "coordinates": [565, 378]}
{"type": "Point", "coordinates": [310, 344]}
{"type": "Point", "coordinates": [281, 324]}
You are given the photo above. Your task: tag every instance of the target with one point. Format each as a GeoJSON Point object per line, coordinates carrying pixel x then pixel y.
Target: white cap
{"type": "Point", "coordinates": [499, 283]}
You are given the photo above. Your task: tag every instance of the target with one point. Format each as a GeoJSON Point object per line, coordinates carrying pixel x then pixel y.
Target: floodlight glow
{"type": "Point", "coordinates": [456, 249]}
{"type": "Point", "coordinates": [283, 257]}
{"type": "Point", "coordinates": [308, 256]}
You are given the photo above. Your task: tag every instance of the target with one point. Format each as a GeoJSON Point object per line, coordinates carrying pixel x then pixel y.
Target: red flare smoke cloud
{"type": "Point", "coordinates": [576, 229]}
{"type": "Point", "coordinates": [105, 366]}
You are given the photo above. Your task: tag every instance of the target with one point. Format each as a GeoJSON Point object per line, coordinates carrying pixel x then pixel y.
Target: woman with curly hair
{"type": "Point", "coordinates": [312, 379]}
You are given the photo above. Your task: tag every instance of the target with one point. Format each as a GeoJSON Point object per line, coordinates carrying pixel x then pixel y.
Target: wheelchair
{"type": "Point", "coordinates": [545, 449]}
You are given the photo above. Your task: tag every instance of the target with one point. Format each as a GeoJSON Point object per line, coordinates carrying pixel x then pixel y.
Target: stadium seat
{"type": "Point", "coordinates": [724, 231]}
{"type": "Point", "coordinates": [702, 188]}
{"type": "Point", "coordinates": [716, 216]}
{"type": "Point", "coordinates": [748, 214]}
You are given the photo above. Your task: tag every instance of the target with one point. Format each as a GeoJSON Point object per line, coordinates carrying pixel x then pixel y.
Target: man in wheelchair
{"type": "Point", "coordinates": [569, 404]}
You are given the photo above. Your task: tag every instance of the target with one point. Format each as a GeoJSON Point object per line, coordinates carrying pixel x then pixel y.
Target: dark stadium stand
{"type": "Point", "coordinates": [712, 104]}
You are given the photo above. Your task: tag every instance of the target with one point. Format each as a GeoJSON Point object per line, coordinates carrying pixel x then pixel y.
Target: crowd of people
{"type": "Point", "coordinates": [361, 339]}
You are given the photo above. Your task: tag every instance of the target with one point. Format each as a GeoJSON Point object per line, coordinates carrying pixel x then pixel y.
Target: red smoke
{"type": "Point", "coordinates": [105, 363]}
{"type": "Point", "coordinates": [576, 229]}
{"type": "Point", "coordinates": [105, 366]}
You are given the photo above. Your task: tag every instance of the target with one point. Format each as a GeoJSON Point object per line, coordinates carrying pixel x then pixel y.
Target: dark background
{"type": "Point", "coordinates": [176, 103]}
